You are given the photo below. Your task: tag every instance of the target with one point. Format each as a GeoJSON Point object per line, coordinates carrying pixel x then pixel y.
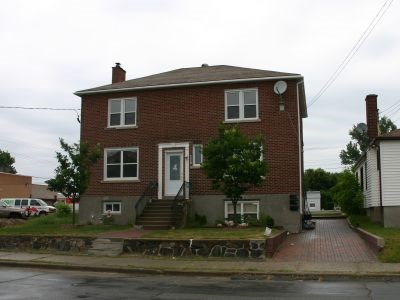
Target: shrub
{"type": "Point", "coordinates": [196, 221]}
{"type": "Point", "coordinates": [264, 220]}
{"type": "Point", "coordinates": [63, 210]}
{"type": "Point", "coordinates": [107, 218]}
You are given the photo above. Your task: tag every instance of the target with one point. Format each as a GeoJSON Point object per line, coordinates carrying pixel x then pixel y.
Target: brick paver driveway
{"type": "Point", "coordinates": [330, 241]}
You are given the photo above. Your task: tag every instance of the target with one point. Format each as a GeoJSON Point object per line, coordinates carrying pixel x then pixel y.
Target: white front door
{"type": "Point", "coordinates": [173, 172]}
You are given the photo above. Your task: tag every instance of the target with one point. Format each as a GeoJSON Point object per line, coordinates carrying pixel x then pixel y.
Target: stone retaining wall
{"type": "Point", "coordinates": [73, 244]}
{"type": "Point", "coordinates": [205, 248]}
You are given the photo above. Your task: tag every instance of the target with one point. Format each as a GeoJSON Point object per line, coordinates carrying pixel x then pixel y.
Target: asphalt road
{"type": "Point", "coordinates": [45, 284]}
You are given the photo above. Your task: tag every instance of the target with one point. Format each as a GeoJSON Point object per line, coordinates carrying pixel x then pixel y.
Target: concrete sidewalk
{"type": "Point", "coordinates": [203, 267]}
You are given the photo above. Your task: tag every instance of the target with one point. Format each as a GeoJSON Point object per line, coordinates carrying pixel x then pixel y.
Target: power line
{"type": "Point", "coordinates": [389, 108]}
{"type": "Point", "coordinates": [46, 108]}
{"type": "Point", "coordinates": [39, 108]}
{"type": "Point", "coordinates": [353, 50]}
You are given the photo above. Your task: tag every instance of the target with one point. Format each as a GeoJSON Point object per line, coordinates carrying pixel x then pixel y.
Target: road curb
{"type": "Point", "coordinates": [235, 275]}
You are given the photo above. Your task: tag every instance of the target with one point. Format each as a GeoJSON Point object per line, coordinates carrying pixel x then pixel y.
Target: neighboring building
{"type": "Point", "coordinates": [14, 185]}
{"type": "Point", "coordinates": [41, 191]}
{"type": "Point", "coordinates": [314, 200]}
{"type": "Point", "coordinates": [378, 170]}
{"type": "Point", "coordinates": [153, 129]}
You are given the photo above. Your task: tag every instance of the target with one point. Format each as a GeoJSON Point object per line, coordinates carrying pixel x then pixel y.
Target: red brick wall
{"type": "Point", "coordinates": [193, 114]}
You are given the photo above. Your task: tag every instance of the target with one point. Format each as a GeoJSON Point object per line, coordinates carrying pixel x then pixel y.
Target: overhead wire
{"type": "Point", "coordinates": [44, 108]}
{"type": "Point", "coordinates": [353, 50]}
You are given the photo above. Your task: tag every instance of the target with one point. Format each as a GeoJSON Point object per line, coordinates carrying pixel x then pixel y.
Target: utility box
{"type": "Point", "coordinates": [294, 202]}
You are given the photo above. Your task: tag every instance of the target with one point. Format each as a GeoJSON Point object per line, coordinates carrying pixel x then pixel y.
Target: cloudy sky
{"type": "Point", "coordinates": [50, 49]}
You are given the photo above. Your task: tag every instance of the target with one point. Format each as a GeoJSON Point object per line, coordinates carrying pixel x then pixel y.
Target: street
{"type": "Point", "coordinates": [17, 283]}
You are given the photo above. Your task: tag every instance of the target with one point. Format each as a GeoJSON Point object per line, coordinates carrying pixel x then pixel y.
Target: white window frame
{"type": "Point", "coordinates": [112, 203]}
{"type": "Point", "coordinates": [122, 116]}
{"type": "Point", "coordinates": [239, 207]}
{"type": "Point", "coordinates": [121, 164]}
{"type": "Point", "coordinates": [241, 105]}
{"type": "Point", "coordinates": [194, 155]}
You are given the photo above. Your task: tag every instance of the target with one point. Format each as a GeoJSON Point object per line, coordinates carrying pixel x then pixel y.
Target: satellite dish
{"type": "Point", "coordinates": [361, 127]}
{"type": "Point", "coordinates": [280, 87]}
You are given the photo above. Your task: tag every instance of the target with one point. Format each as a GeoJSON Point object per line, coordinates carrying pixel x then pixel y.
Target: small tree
{"type": "Point", "coordinates": [6, 162]}
{"type": "Point", "coordinates": [233, 162]}
{"type": "Point", "coordinates": [72, 174]}
{"type": "Point", "coordinates": [348, 194]}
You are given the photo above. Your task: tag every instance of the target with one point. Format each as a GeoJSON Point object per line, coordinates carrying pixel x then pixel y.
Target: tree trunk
{"type": "Point", "coordinates": [73, 211]}
{"type": "Point", "coordinates": [234, 203]}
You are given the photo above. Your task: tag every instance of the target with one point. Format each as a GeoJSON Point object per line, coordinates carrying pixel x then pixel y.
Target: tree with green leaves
{"type": "Point", "coordinates": [359, 141]}
{"type": "Point", "coordinates": [232, 161]}
{"type": "Point", "coordinates": [6, 162]}
{"type": "Point", "coordinates": [321, 180]}
{"type": "Point", "coordinates": [348, 194]}
{"type": "Point", "coordinates": [72, 174]}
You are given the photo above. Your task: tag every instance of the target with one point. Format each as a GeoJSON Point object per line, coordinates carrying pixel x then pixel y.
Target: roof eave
{"type": "Point", "coordinates": [88, 92]}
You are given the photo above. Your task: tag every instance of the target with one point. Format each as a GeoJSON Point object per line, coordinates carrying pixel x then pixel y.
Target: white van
{"type": "Point", "coordinates": [37, 207]}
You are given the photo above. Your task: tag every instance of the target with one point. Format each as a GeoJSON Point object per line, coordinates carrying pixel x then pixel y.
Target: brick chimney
{"type": "Point", "coordinates": [372, 116]}
{"type": "Point", "coordinates": [118, 74]}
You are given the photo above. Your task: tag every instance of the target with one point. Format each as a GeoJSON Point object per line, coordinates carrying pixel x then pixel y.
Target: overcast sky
{"type": "Point", "coordinates": [50, 49]}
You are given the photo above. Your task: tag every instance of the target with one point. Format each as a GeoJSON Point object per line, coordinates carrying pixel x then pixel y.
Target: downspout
{"type": "Point", "coordinates": [300, 150]}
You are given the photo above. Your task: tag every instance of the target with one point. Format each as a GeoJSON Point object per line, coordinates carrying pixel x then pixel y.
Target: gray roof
{"type": "Point", "coordinates": [191, 76]}
{"type": "Point", "coordinates": [394, 134]}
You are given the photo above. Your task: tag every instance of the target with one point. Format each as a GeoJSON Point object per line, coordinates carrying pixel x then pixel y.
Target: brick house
{"type": "Point", "coordinates": [378, 170]}
{"type": "Point", "coordinates": [152, 130]}
{"type": "Point", "coordinates": [15, 185]}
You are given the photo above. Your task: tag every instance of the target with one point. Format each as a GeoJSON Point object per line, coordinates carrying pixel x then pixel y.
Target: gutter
{"type": "Point", "coordinates": [149, 87]}
{"type": "Point", "coordinates": [299, 137]}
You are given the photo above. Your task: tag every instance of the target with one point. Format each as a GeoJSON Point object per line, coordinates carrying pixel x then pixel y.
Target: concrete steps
{"type": "Point", "coordinates": [157, 215]}
{"type": "Point", "coordinates": [107, 247]}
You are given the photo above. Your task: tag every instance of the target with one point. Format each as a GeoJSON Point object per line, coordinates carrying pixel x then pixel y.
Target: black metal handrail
{"type": "Point", "coordinates": [147, 196]}
{"type": "Point", "coordinates": [180, 204]}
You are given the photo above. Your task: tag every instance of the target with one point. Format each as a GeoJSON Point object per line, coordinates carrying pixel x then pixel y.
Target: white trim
{"type": "Point", "coordinates": [147, 87]}
{"type": "Point", "coordinates": [163, 146]}
{"type": "Point", "coordinates": [112, 203]}
{"type": "Point", "coordinates": [121, 169]}
{"type": "Point", "coordinates": [194, 155]}
{"type": "Point", "coordinates": [239, 207]}
{"type": "Point", "coordinates": [122, 113]}
{"type": "Point", "coordinates": [241, 105]}
{"type": "Point", "coordinates": [179, 152]}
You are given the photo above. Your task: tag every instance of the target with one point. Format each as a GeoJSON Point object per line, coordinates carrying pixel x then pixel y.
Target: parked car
{"type": "Point", "coordinates": [36, 207]}
{"type": "Point", "coordinates": [13, 212]}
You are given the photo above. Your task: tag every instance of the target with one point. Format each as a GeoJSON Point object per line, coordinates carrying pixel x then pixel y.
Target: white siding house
{"type": "Point", "coordinates": [378, 171]}
{"type": "Point", "coordinates": [390, 172]}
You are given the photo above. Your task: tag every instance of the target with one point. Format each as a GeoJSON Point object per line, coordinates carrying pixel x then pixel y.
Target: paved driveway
{"type": "Point", "coordinates": [331, 241]}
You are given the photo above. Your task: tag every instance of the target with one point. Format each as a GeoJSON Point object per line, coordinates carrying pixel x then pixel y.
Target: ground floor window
{"type": "Point", "coordinates": [246, 209]}
{"type": "Point", "coordinates": [112, 207]}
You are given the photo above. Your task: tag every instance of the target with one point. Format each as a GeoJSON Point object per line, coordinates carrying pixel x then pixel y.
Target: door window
{"type": "Point", "coordinates": [174, 167]}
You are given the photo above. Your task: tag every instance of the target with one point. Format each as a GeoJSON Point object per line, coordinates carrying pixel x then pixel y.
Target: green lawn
{"type": "Point", "coordinates": [210, 233]}
{"type": "Point", "coordinates": [53, 225]}
{"type": "Point", "coordinates": [391, 251]}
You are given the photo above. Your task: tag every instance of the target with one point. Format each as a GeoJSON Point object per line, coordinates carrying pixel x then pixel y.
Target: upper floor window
{"type": "Point", "coordinates": [122, 112]}
{"type": "Point", "coordinates": [241, 105]}
{"type": "Point", "coordinates": [121, 164]}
